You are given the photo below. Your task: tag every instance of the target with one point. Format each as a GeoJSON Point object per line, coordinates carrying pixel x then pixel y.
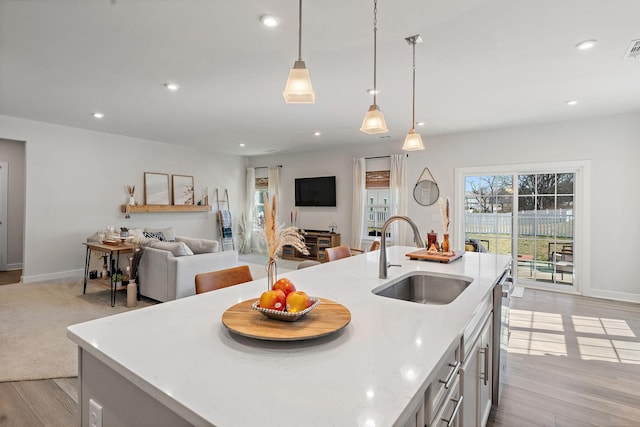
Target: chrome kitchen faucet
{"type": "Point", "coordinates": [383, 242]}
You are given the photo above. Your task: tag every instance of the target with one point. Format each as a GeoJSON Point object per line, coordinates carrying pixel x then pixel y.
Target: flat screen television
{"type": "Point", "coordinates": [318, 191]}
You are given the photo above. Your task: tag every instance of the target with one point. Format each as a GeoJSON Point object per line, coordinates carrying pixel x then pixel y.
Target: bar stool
{"type": "Point", "coordinates": [213, 280]}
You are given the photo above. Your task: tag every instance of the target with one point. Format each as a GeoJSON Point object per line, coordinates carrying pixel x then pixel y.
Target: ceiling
{"type": "Point", "coordinates": [483, 64]}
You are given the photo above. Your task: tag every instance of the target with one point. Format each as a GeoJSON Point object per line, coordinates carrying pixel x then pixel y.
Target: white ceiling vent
{"type": "Point", "coordinates": [634, 50]}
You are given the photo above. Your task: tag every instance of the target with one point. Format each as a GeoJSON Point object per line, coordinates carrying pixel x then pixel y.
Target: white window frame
{"type": "Point", "coordinates": [582, 230]}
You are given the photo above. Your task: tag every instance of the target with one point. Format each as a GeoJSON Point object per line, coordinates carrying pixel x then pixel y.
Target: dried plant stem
{"type": "Point", "coordinates": [444, 212]}
{"type": "Point", "coordinates": [278, 236]}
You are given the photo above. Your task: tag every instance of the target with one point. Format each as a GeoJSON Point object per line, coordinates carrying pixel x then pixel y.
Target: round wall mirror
{"type": "Point", "coordinates": [426, 191]}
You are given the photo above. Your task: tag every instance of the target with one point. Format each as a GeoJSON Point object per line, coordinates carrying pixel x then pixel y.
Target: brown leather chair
{"type": "Point", "coordinates": [213, 280]}
{"type": "Point", "coordinates": [338, 252]}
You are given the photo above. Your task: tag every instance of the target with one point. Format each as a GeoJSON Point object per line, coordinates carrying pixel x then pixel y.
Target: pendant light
{"type": "Point", "coordinates": [413, 140]}
{"type": "Point", "coordinates": [298, 89]}
{"type": "Point", "coordinates": [374, 120]}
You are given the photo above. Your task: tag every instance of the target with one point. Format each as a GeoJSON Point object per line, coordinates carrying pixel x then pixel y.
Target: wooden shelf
{"type": "Point", "coordinates": [317, 242]}
{"type": "Point", "coordinates": [165, 208]}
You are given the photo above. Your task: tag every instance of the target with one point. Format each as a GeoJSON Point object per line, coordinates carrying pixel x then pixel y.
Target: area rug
{"type": "Point", "coordinates": [34, 319]}
{"type": "Point", "coordinates": [33, 322]}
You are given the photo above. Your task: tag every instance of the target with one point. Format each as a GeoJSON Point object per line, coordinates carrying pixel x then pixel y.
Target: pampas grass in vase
{"type": "Point", "coordinates": [277, 237]}
{"type": "Point", "coordinates": [445, 213]}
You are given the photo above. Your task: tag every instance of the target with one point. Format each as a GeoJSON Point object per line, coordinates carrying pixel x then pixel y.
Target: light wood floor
{"type": "Point", "coordinates": [49, 403]}
{"type": "Point", "coordinates": [573, 361]}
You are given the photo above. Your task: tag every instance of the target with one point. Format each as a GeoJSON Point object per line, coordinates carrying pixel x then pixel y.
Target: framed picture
{"type": "Point", "coordinates": [156, 189]}
{"type": "Point", "coordinates": [183, 190]}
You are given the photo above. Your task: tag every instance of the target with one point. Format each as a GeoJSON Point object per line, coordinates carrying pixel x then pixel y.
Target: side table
{"type": "Point", "coordinates": [111, 250]}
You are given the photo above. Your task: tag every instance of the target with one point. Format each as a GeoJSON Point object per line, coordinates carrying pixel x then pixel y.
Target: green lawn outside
{"type": "Point", "coordinates": [526, 246]}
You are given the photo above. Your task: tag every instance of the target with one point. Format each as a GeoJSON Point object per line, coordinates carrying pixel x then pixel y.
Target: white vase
{"type": "Point", "coordinates": [132, 201]}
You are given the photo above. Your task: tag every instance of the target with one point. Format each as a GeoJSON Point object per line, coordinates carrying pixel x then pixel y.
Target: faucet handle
{"type": "Point", "coordinates": [393, 265]}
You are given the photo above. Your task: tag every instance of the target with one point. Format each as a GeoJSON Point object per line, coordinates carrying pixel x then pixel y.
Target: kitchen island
{"type": "Point", "coordinates": [176, 363]}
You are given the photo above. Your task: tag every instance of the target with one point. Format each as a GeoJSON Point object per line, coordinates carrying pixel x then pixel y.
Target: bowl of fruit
{"type": "Point", "coordinates": [284, 302]}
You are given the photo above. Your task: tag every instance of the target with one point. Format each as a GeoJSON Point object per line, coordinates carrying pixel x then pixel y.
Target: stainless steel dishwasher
{"type": "Point", "coordinates": [501, 296]}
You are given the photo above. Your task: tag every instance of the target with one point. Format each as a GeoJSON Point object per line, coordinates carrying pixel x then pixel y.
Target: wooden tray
{"type": "Point", "coordinates": [422, 254]}
{"type": "Point", "coordinates": [328, 317]}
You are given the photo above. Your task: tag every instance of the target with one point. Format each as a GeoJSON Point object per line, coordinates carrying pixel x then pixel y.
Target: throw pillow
{"type": "Point", "coordinates": [135, 232]}
{"type": "Point", "coordinates": [176, 248]}
{"type": "Point", "coordinates": [200, 246]}
{"type": "Point", "coordinates": [153, 235]}
{"type": "Point", "coordinates": [168, 234]}
{"type": "Point", "coordinates": [94, 238]}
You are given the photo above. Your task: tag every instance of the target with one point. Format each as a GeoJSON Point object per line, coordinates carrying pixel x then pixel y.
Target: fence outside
{"type": "Point", "coordinates": [557, 223]}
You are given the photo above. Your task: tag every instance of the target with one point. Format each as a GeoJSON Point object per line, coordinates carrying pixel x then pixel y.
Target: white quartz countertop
{"type": "Point", "coordinates": [365, 375]}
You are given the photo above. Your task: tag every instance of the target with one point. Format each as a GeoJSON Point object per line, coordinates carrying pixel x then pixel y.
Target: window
{"type": "Point", "coordinates": [261, 194]}
{"type": "Point", "coordinates": [377, 209]}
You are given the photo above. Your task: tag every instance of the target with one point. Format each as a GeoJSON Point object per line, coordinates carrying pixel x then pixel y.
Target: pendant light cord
{"type": "Point", "coordinates": [375, 45]}
{"type": "Point", "coordinates": [300, 30]}
{"type": "Point", "coordinates": [413, 109]}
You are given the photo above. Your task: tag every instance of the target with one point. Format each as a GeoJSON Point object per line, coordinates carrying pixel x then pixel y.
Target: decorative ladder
{"type": "Point", "coordinates": [225, 223]}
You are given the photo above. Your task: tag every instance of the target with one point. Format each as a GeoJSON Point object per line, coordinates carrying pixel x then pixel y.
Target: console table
{"type": "Point", "coordinates": [317, 242]}
{"type": "Point", "coordinates": [106, 249]}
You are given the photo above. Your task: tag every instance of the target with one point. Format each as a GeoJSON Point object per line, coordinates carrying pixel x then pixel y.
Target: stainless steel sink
{"type": "Point", "coordinates": [425, 288]}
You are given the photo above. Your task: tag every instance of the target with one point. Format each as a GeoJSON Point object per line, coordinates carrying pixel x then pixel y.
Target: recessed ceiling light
{"type": "Point", "coordinates": [269, 21]}
{"type": "Point", "coordinates": [242, 144]}
{"type": "Point", "coordinates": [586, 45]}
{"type": "Point", "coordinates": [373, 92]}
{"type": "Point", "coordinates": [420, 123]}
{"type": "Point", "coordinates": [317, 133]}
{"type": "Point", "coordinates": [172, 86]}
{"type": "Point", "coordinates": [572, 102]}
{"type": "Point", "coordinates": [97, 115]}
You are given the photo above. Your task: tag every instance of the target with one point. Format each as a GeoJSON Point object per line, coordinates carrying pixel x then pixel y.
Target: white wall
{"type": "Point", "coordinates": [75, 184]}
{"type": "Point", "coordinates": [612, 144]}
{"type": "Point", "coordinates": [13, 153]}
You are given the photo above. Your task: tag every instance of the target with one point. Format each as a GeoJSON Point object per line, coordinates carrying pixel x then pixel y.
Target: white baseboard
{"type": "Point", "coordinates": [70, 274]}
{"type": "Point", "coordinates": [14, 266]}
{"type": "Point", "coordinates": [616, 296]}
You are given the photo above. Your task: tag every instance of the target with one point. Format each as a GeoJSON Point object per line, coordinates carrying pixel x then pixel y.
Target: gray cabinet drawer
{"type": "Point", "coordinates": [447, 374]}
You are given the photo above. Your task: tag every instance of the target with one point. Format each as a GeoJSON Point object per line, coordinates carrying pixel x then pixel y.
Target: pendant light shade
{"type": "Point", "coordinates": [374, 119]}
{"type": "Point", "coordinates": [413, 140]}
{"type": "Point", "coordinates": [298, 89]}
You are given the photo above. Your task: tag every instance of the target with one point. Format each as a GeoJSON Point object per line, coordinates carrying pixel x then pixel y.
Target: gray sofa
{"type": "Point", "coordinates": [167, 269]}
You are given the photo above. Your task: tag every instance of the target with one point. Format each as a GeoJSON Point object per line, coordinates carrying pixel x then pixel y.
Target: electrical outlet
{"type": "Point", "coordinates": [95, 414]}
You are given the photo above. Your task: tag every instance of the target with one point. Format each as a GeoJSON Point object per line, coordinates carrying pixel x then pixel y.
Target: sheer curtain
{"type": "Point", "coordinates": [249, 211]}
{"type": "Point", "coordinates": [398, 190]}
{"type": "Point", "coordinates": [359, 198]}
{"type": "Point", "coordinates": [274, 188]}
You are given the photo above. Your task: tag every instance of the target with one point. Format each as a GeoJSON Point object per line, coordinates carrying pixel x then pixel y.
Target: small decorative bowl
{"type": "Point", "coordinates": [284, 315]}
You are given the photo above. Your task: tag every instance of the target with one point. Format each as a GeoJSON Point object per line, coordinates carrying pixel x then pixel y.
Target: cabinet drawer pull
{"type": "Point", "coordinates": [486, 365]}
{"type": "Point", "coordinates": [452, 375]}
{"type": "Point", "coordinates": [454, 414]}
{"type": "Point", "coordinates": [485, 374]}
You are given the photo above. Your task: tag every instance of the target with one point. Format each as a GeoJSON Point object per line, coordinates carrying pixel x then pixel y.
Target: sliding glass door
{"type": "Point", "coordinates": [488, 219]}
{"type": "Point", "coordinates": [528, 214]}
{"type": "Point", "coordinates": [546, 228]}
